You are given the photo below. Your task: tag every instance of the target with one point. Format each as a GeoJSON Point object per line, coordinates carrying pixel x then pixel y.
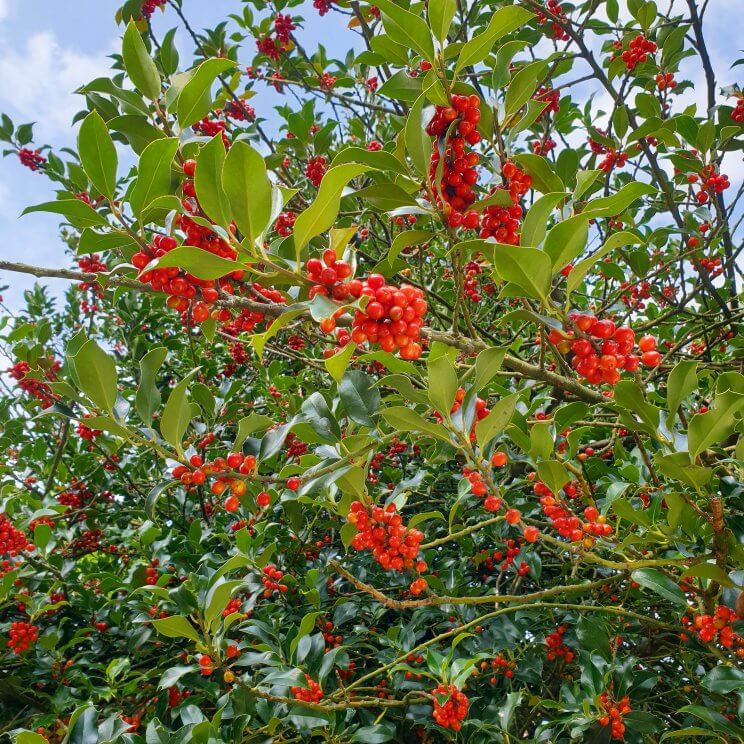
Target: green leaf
{"type": "Point", "coordinates": [581, 269]}
{"type": "Point", "coordinates": [441, 13]}
{"type": "Point", "coordinates": [96, 373]}
{"type": "Point", "coordinates": [249, 424]}
{"type": "Point", "coordinates": [678, 467]}
{"type": "Point", "coordinates": [139, 65]}
{"type": "Point", "coordinates": [706, 429]}
{"type": "Point", "coordinates": [487, 364]}
{"type": "Point", "coordinates": [522, 86]}
{"type": "Point", "coordinates": [98, 154]}
{"type": "Point", "coordinates": [154, 174]}
{"type": "Point", "coordinates": [535, 224]}
{"type": "Point", "coordinates": [405, 419]}
{"type": "Point", "coordinates": [657, 582]}
{"type": "Point", "coordinates": [611, 206]}
{"type": "Point", "coordinates": [584, 181]}
{"type": "Point", "coordinates": [208, 181]}
{"type": "Point", "coordinates": [306, 625]}
{"type": "Point", "coordinates": [724, 680]}
{"type": "Point", "coordinates": [629, 397]}
{"type": "Point", "coordinates": [407, 28]}
{"type": "Point", "coordinates": [504, 57]}
{"type": "Point", "coordinates": [503, 21]}
{"type": "Point", "coordinates": [176, 626]}
{"type": "Point", "coordinates": [529, 268]}
{"type": "Point", "coordinates": [176, 414]}
{"type": "Point", "coordinates": [418, 142]}
{"type": "Point", "coordinates": [567, 240]}
{"type": "Point", "coordinates": [202, 264]}
{"type": "Point", "coordinates": [155, 493]}
{"type": "Point", "coordinates": [715, 720]}
{"type": "Point", "coordinates": [78, 213]}
{"type": "Point", "coordinates": [709, 571]}
{"type": "Point", "coordinates": [195, 98]}
{"type": "Point", "coordinates": [248, 189]}
{"type": "Point", "coordinates": [321, 214]}
{"type": "Point", "coordinates": [337, 363]}
{"type": "Point", "coordinates": [216, 600]}
{"type": "Point", "coordinates": [497, 420]}
{"type": "Point", "coordinates": [442, 383]}
{"type": "Point", "coordinates": [259, 340]}
{"type": "Point", "coordinates": [681, 382]}
{"type": "Point", "coordinates": [360, 398]}
{"type": "Point", "coordinates": [553, 474]}
{"type": "Point", "coordinates": [543, 177]}
{"type": "Point", "coordinates": [147, 400]}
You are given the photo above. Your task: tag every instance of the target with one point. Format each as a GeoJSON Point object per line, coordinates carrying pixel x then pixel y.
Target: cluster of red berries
{"type": "Point", "coordinates": [271, 580]}
{"type": "Point", "coordinates": [393, 317]}
{"type": "Point", "coordinates": [666, 81]}
{"type": "Point", "coordinates": [715, 627]}
{"type": "Point", "coordinates": [557, 649]}
{"type": "Point", "coordinates": [327, 81]}
{"type": "Point", "coordinates": [615, 713]}
{"type": "Point", "coordinates": [150, 6]}
{"type": "Point", "coordinates": [638, 51]}
{"type": "Point", "coordinates": [737, 114]}
{"type": "Point", "coordinates": [32, 159]}
{"type": "Point", "coordinates": [76, 495]}
{"type": "Point", "coordinates": [331, 640]}
{"type": "Point", "coordinates": [21, 636]}
{"type": "Point", "coordinates": [481, 411]}
{"type": "Point", "coordinates": [315, 170]}
{"type": "Point", "coordinates": [711, 181]}
{"type": "Point", "coordinates": [478, 488]}
{"type": "Point", "coordinates": [284, 224]}
{"type": "Point", "coordinates": [151, 572]}
{"type": "Point", "coordinates": [12, 540]}
{"type": "Point", "coordinates": [499, 665]}
{"type": "Point", "coordinates": [598, 363]}
{"type": "Point", "coordinates": [327, 276]}
{"type": "Point", "coordinates": [455, 708]}
{"type": "Point", "coordinates": [209, 127]}
{"type": "Point", "coordinates": [382, 531]}
{"type": "Point", "coordinates": [418, 586]}
{"type": "Point", "coordinates": [239, 110]}
{"type": "Point", "coordinates": [33, 386]}
{"type": "Point", "coordinates": [313, 693]}
{"type": "Point", "coordinates": [556, 11]}
{"type": "Point", "coordinates": [502, 223]}
{"type": "Point", "coordinates": [596, 523]}
{"type": "Point", "coordinates": [613, 159]}
{"type": "Point", "coordinates": [455, 190]}
{"type": "Point", "coordinates": [322, 6]}
{"type": "Point", "coordinates": [566, 523]}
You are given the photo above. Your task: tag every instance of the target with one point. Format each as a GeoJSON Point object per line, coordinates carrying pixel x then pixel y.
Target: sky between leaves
{"type": "Point", "coordinates": [49, 48]}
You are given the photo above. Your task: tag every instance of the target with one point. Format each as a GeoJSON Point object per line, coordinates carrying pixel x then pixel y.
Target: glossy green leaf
{"type": "Point", "coordinates": [208, 181]}
{"type": "Point", "coordinates": [154, 174]}
{"type": "Point", "coordinates": [442, 383]}
{"type": "Point", "coordinates": [147, 399]}
{"type": "Point", "coordinates": [529, 268]}
{"type": "Point", "coordinates": [407, 29]}
{"type": "Point", "coordinates": [195, 98]}
{"type": "Point", "coordinates": [441, 13]}
{"type": "Point", "coordinates": [497, 420]}
{"type": "Point", "coordinates": [96, 373]}
{"type": "Point", "coordinates": [176, 626]}
{"type": "Point", "coordinates": [139, 65]}
{"type": "Point", "coordinates": [98, 154]}
{"type": "Point", "coordinates": [657, 582]}
{"type": "Point", "coordinates": [177, 413]}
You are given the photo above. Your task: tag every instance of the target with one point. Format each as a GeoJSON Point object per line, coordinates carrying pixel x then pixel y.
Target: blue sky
{"type": "Point", "coordinates": [48, 48]}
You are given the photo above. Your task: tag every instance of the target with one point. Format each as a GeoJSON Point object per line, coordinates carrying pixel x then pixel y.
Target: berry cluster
{"type": "Point", "coordinates": [566, 523]}
{"type": "Point", "coordinates": [382, 531]}
{"type": "Point", "coordinates": [602, 362]}
{"type": "Point", "coordinates": [392, 318]}
{"type": "Point", "coordinates": [12, 540]}
{"type": "Point", "coordinates": [284, 224]}
{"type": "Point", "coordinates": [313, 693]}
{"type": "Point", "coordinates": [272, 577]}
{"type": "Point", "coordinates": [418, 586]}
{"type": "Point", "coordinates": [666, 81]}
{"type": "Point", "coordinates": [711, 181]}
{"type": "Point", "coordinates": [33, 386]}
{"type": "Point", "coordinates": [502, 223]}
{"type": "Point", "coordinates": [491, 503]}
{"type": "Point", "coordinates": [638, 51]}
{"type": "Point", "coordinates": [737, 114]}
{"type": "Point", "coordinates": [557, 649]}
{"type": "Point", "coordinates": [455, 708]}
{"type": "Point", "coordinates": [150, 6]}
{"type": "Point", "coordinates": [499, 665]}
{"type": "Point", "coordinates": [315, 170]}
{"type": "Point", "coordinates": [615, 713]}
{"type": "Point", "coordinates": [556, 11]}
{"type": "Point", "coordinates": [612, 159]}
{"type": "Point", "coordinates": [455, 190]}
{"type": "Point", "coordinates": [715, 627]}
{"type": "Point", "coordinates": [31, 159]}
{"type": "Point", "coordinates": [322, 6]}
{"type": "Point", "coordinates": [327, 276]}
{"type": "Point", "coordinates": [21, 636]}
{"type": "Point", "coordinates": [239, 110]}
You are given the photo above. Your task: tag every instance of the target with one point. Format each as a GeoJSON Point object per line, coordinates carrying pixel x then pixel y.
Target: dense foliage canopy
{"type": "Point", "coordinates": [407, 410]}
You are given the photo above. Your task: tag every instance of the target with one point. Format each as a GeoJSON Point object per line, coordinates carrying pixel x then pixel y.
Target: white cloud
{"type": "Point", "coordinates": [4, 9]}
{"type": "Point", "coordinates": [38, 80]}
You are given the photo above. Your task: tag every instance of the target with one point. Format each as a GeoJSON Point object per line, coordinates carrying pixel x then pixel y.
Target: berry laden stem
{"type": "Point", "coordinates": [472, 346]}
